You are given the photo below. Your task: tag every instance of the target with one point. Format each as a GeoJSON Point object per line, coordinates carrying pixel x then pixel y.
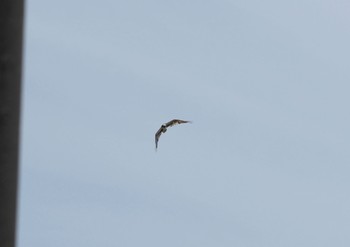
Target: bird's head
{"type": "Point", "coordinates": [164, 129]}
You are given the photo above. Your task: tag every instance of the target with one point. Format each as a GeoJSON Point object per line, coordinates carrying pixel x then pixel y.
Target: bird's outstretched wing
{"type": "Point", "coordinates": [176, 121]}
{"type": "Point", "coordinates": [159, 132]}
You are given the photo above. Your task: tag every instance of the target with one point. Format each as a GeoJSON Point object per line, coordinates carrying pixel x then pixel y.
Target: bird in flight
{"type": "Point", "coordinates": [164, 127]}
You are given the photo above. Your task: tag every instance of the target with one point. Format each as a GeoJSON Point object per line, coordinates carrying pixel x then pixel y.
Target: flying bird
{"type": "Point", "coordinates": [164, 127]}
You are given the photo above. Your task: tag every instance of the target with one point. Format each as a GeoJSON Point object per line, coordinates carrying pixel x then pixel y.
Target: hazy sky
{"type": "Point", "coordinates": [266, 161]}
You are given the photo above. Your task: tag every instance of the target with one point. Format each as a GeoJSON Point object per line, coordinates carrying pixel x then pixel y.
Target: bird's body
{"type": "Point", "coordinates": [164, 127]}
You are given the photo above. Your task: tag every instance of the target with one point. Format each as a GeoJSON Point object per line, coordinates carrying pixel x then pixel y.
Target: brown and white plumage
{"type": "Point", "coordinates": [164, 127]}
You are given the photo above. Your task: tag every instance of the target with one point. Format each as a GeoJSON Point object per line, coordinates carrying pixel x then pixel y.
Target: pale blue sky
{"type": "Point", "coordinates": [266, 161]}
